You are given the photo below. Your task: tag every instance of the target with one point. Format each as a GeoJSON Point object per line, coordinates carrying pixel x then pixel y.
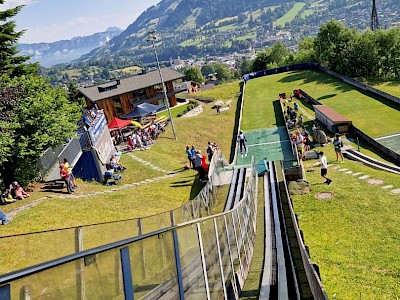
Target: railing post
{"type": "Point", "coordinates": [127, 273]}
{"type": "Point", "coordinates": [80, 274]}
{"type": "Point", "coordinates": [178, 265]}
{"type": "Point", "coordinates": [219, 258]}
{"type": "Point", "coordinates": [5, 292]}
{"type": "Point", "coordinates": [233, 280]}
{"type": "Point", "coordinates": [142, 254]}
{"type": "Point", "coordinates": [203, 260]}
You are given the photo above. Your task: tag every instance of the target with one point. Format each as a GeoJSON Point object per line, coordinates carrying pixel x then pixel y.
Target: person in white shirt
{"type": "Point", "coordinates": [323, 162]}
{"type": "Point", "coordinates": [242, 143]}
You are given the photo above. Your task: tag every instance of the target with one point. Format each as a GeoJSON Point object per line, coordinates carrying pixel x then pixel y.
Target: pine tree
{"type": "Point", "coordinates": [12, 63]}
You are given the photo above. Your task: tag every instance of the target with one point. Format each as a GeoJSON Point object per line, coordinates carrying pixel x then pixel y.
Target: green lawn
{"type": "Point", "coordinates": [291, 14]}
{"type": "Point", "coordinates": [354, 236]}
{"type": "Point", "coordinates": [131, 202]}
{"type": "Point", "coordinates": [372, 116]}
{"type": "Point", "coordinates": [175, 111]}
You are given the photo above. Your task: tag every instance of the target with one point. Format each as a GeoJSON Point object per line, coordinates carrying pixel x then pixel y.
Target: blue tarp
{"type": "Point", "coordinates": [142, 110]}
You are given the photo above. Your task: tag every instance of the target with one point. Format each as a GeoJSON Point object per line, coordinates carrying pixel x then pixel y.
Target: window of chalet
{"type": "Point", "coordinates": [117, 106]}
{"type": "Point", "coordinates": [140, 93]}
{"type": "Point", "coordinates": [158, 88]}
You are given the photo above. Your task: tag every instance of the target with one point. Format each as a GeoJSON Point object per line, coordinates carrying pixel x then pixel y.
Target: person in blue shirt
{"type": "Point", "coordinates": [3, 219]}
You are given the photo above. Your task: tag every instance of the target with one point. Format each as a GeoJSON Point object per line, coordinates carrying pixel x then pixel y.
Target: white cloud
{"type": "Point", "coordinates": [13, 3]}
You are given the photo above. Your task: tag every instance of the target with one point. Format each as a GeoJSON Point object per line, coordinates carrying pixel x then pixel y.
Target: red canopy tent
{"type": "Point", "coordinates": [118, 123]}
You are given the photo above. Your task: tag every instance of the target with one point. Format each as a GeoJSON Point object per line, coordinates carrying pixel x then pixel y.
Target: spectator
{"type": "Point", "coordinates": [19, 193]}
{"type": "Point", "coordinates": [300, 144]}
{"type": "Point", "coordinates": [210, 150]}
{"type": "Point", "coordinates": [198, 166]}
{"type": "Point", "coordinates": [3, 219]}
{"type": "Point", "coordinates": [337, 145]}
{"type": "Point", "coordinates": [6, 197]}
{"type": "Point", "coordinates": [190, 157]}
{"type": "Point", "coordinates": [69, 169]}
{"type": "Point", "coordinates": [66, 177]}
{"type": "Point", "coordinates": [295, 106]}
{"type": "Point", "coordinates": [115, 164]}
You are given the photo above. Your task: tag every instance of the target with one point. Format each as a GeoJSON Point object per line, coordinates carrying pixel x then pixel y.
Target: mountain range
{"type": "Point", "coordinates": [65, 51]}
{"type": "Point", "coordinates": [189, 28]}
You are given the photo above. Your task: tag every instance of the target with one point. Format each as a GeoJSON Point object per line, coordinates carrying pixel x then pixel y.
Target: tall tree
{"type": "Point", "coordinates": [194, 74]}
{"type": "Point", "coordinates": [43, 117]}
{"type": "Point", "coordinates": [11, 62]}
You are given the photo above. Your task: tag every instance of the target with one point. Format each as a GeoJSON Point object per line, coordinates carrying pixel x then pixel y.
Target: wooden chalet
{"type": "Point", "coordinates": [121, 96]}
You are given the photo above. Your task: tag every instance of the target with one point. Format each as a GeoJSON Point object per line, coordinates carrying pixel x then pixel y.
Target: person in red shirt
{"type": "Point", "coordinates": [64, 174]}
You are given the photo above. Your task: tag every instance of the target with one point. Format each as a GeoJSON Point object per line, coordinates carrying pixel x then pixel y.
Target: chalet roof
{"type": "Point", "coordinates": [129, 84]}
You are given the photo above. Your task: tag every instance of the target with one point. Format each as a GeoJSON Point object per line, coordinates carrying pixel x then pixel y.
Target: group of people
{"type": "Point", "coordinates": [90, 116]}
{"type": "Point", "coordinates": [197, 160]}
{"type": "Point", "coordinates": [68, 177]}
{"type": "Point", "coordinates": [139, 139]}
{"type": "Point", "coordinates": [291, 118]}
{"type": "Point", "coordinates": [13, 193]}
{"type": "Point", "coordinates": [302, 141]}
{"type": "Point", "coordinates": [113, 168]}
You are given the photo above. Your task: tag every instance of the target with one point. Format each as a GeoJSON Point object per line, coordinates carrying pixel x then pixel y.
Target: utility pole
{"type": "Point", "coordinates": [374, 17]}
{"type": "Point", "coordinates": [152, 38]}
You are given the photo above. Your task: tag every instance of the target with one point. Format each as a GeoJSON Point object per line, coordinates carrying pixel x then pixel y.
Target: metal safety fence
{"type": "Point", "coordinates": [205, 258]}
{"type": "Point", "coordinates": [28, 247]}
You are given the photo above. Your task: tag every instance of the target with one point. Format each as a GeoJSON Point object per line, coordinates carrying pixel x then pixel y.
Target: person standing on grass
{"type": "Point", "coordinates": [300, 144]}
{"type": "Point", "coordinates": [242, 143]}
{"type": "Point", "coordinates": [323, 162]}
{"type": "Point", "coordinates": [337, 145]}
{"type": "Point", "coordinates": [189, 156]}
{"type": "Point", "coordinates": [66, 177]}
{"type": "Point", "coordinates": [198, 166]}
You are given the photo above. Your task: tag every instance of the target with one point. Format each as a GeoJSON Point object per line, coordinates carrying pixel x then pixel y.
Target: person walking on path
{"type": "Point", "coordinates": [323, 162]}
{"type": "Point", "coordinates": [337, 145]}
{"type": "Point", "coordinates": [242, 143]}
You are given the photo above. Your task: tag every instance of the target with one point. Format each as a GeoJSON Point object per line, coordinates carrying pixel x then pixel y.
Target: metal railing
{"type": "Point", "coordinates": [206, 258]}
{"type": "Point", "coordinates": [65, 241]}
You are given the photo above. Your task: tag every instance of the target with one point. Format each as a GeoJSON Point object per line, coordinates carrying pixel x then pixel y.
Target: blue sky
{"type": "Point", "coordinates": [53, 20]}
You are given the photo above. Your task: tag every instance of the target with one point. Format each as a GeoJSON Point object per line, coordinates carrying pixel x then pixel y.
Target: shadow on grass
{"type": "Point", "coordinates": [307, 103]}
{"type": "Point", "coordinates": [326, 96]}
{"type": "Point", "coordinates": [196, 188]}
{"type": "Point", "coordinates": [280, 121]}
{"type": "Point", "coordinates": [307, 77]}
{"type": "Point", "coordinates": [179, 170]}
{"type": "Point", "coordinates": [236, 126]}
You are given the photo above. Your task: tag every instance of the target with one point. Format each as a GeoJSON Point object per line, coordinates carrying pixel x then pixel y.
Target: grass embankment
{"type": "Point", "coordinates": [136, 201]}
{"type": "Point", "coordinates": [353, 237]}
{"type": "Point", "coordinates": [375, 117]}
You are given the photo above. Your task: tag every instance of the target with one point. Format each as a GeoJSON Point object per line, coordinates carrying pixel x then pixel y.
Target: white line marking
{"type": "Point", "coordinates": [270, 143]}
{"type": "Point", "coordinates": [387, 137]}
